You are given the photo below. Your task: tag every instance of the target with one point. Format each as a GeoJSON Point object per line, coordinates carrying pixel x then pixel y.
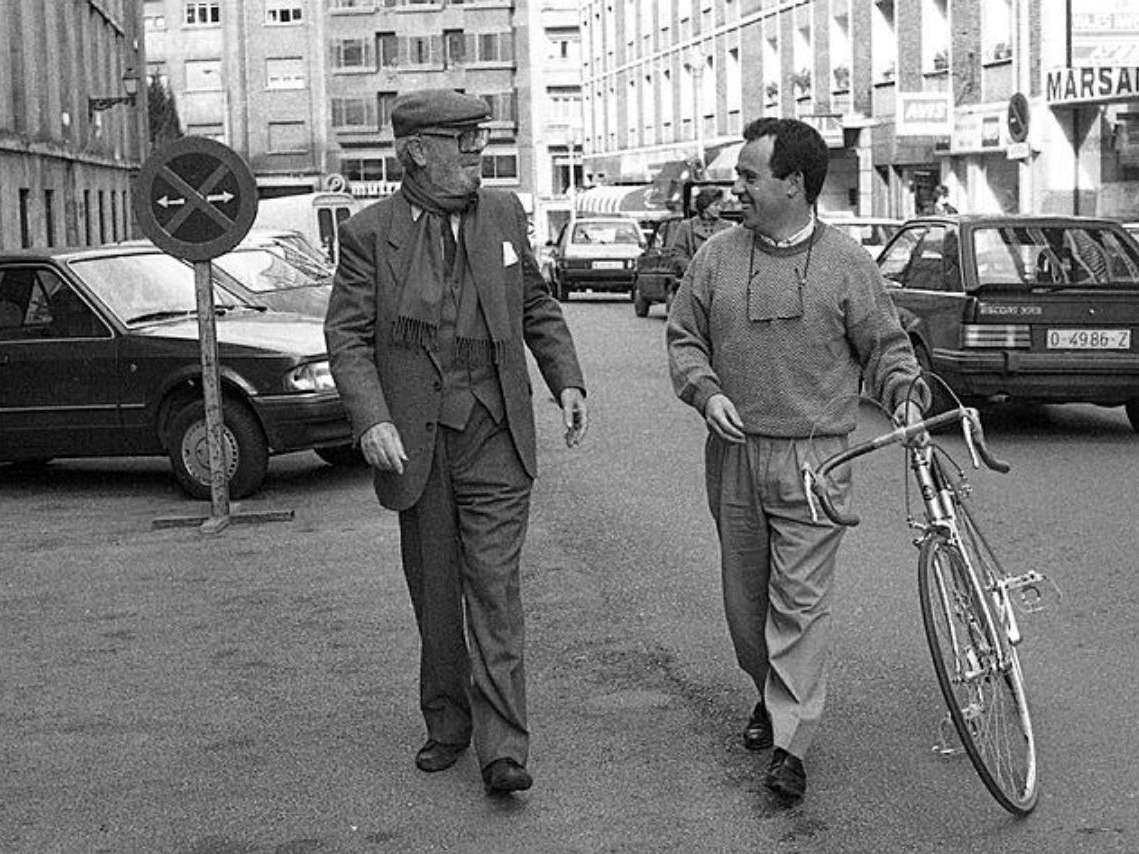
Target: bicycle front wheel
{"type": "Point", "coordinates": [979, 675]}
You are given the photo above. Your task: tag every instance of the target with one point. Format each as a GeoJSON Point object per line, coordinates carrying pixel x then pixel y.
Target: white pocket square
{"type": "Point", "coordinates": [509, 256]}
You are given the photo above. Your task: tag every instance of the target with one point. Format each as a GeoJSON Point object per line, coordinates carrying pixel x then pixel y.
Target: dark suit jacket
{"type": "Point", "coordinates": [381, 380]}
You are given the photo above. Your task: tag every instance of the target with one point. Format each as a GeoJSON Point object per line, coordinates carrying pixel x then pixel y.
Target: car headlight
{"type": "Point", "coordinates": [311, 376]}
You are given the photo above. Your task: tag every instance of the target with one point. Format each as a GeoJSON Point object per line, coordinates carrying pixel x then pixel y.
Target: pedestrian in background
{"type": "Point", "coordinates": [941, 204]}
{"type": "Point", "coordinates": [770, 333]}
{"type": "Point", "coordinates": [692, 232]}
{"type": "Point", "coordinates": [434, 296]}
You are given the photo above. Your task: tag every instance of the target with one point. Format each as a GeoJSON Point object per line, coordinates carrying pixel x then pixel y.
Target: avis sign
{"type": "Point", "coordinates": [922, 114]}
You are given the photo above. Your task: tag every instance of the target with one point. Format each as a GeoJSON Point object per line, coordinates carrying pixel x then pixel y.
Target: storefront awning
{"type": "Point", "coordinates": [638, 201]}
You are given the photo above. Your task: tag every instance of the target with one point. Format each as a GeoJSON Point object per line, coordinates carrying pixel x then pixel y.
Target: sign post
{"type": "Point", "coordinates": [196, 199]}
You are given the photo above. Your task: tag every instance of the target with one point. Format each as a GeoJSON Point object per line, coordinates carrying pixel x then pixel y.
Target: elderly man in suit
{"type": "Point", "coordinates": [435, 294]}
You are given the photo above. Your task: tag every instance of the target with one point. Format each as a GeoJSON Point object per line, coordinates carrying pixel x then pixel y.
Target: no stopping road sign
{"type": "Point", "coordinates": [195, 198]}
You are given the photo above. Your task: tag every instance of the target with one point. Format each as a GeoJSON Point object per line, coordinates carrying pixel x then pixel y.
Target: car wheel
{"type": "Point", "coordinates": [245, 453]}
{"type": "Point", "coordinates": [640, 304]}
{"type": "Point", "coordinates": [345, 456]}
{"type": "Point", "coordinates": [940, 400]}
{"type": "Point", "coordinates": [1133, 414]}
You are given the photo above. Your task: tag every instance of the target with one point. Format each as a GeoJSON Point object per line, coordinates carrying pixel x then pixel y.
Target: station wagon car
{"type": "Point", "coordinates": [99, 356]}
{"type": "Point", "coordinates": [1032, 308]}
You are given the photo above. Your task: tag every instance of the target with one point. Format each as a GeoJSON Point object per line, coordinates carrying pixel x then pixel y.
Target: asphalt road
{"type": "Point", "coordinates": [254, 691]}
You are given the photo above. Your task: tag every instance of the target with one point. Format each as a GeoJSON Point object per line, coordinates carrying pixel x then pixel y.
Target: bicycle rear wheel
{"type": "Point", "coordinates": [986, 700]}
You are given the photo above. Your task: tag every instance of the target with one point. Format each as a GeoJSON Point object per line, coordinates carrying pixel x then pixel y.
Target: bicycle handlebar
{"type": "Point", "coordinates": [971, 429]}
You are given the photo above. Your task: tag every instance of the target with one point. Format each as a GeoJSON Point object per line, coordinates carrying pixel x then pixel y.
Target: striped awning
{"type": "Point", "coordinates": [638, 201]}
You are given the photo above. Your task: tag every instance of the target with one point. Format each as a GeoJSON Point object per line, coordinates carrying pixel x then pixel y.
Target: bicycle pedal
{"type": "Point", "coordinates": [948, 744]}
{"type": "Point", "coordinates": [1030, 590]}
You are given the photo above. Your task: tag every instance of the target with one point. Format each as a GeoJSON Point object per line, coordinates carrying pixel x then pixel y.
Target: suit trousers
{"type": "Point", "coordinates": [460, 544]}
{"type": "Point", "coordinates": [777, 567]}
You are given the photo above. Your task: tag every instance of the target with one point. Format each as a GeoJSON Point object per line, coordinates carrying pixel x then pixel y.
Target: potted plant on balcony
{"type": "Point", "coordinates": [1002, 50]}
{"type": "Point", "coordinates": [887, 74]}
{"type": "Point", "coordinates": [841, 78]}
{"type": "Point", "coordinates": [941, 60]}
{"type": "Point", "coordinates": [801, 82]}
{"type": "Point", "coordinates": [772, 90]}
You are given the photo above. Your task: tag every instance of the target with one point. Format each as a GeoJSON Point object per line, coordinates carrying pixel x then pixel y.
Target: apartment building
{"type": "Point", "coordinates": [303, 89]}
{"type": "Point", "coordinates": [907, 94]}
{"type": "Point", "coordinates": [72, 120]}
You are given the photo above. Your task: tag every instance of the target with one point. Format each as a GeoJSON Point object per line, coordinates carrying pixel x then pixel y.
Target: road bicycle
{"type": "Point", "coordinates": [966, 605]}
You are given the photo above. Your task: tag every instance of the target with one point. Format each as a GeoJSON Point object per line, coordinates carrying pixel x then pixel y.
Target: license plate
{"type": "Point", "coordinates": [1089, 339]}
{"type": "Point", "coordinates": [608, 265]}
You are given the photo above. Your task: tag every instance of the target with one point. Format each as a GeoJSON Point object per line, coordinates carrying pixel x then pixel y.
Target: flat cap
{"type": "Point", "coordinates": [424, 108]}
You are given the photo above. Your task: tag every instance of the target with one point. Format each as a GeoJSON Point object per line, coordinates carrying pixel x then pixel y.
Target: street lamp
{"type": "Point", "coordinates": [130, 86]}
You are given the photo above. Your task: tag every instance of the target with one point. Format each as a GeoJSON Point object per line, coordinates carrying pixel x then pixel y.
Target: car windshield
{"type": "Point", "coordinates": [262, 270]}
{"type": "Point", "coordinates": [1054, 256]}
{"type": "Point", "coordinates": [606, 233]}
{"type": "Point", "coordinates": [141, 287]}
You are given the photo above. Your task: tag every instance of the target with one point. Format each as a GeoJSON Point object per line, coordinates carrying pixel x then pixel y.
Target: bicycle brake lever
{"type": "Point", "coordinates": [967, 432]}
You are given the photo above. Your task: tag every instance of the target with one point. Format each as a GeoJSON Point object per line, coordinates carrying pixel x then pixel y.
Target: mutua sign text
{"type": "Point", "coordinates": [1093, 83]}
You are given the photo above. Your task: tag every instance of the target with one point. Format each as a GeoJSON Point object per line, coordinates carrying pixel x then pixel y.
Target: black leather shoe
{"type": "Point", "coordinates": [785, 775]}
{"type": "Point", "coordinates": [506, 775]}
{"type": "Point", "coordinates": [757, 733]}
{"type": "Point", "coordinates": [437, 755]}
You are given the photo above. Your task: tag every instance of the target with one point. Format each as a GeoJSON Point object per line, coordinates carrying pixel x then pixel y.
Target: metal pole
{"type": "Point", "coordinates": [211, 389]}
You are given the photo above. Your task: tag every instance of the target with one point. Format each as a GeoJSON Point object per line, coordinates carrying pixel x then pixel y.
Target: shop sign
{"type": "Point", "coordinates": [922, 114]}
{"type": "Point", "coordinates": [1092, 83]}
{"type": "Point", "coordinates": [373, 189]}
{"type": "Point", "coordinates": [979, 130]}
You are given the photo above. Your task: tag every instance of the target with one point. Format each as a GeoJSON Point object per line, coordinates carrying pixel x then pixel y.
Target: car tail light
{"type": "Point", "coordinates": [1003, 336]}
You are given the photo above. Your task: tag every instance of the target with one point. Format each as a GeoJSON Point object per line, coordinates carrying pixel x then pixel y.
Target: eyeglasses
{"type": "Point", "coordinates": [469, 140]}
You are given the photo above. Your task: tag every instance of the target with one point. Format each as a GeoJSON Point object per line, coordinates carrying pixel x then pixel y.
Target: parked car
{"type": "Point", "coordinates": [99, 356]}
{"type": "Point", "coordinates": [871, 232]}
{"type": "Point", "coordinates": [267, 275]}
{"type": "Point", "coordinates": [657, 272]}
{"type": "Point", "coordinates": [597, 253]}
{"type": "Point", "coordinates": [295, 246]}
{"type": "Point", "coordinates": [1033, 308]}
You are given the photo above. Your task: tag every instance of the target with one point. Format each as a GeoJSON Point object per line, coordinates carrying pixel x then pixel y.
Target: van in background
{"type": "Point", "coordinates": [316, 216]}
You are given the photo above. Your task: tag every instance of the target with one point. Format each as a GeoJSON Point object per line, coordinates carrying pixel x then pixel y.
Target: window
{"type": "Point", "coordinates": [454, 47]}
{"type": "Point", "coordinates": [883, 41]}
{"type": "Point", "coordinates": [359, 169]}
{"type": "Point", "coordinates": [500, 166]}
{"type": "Point", "coordinates": [210, 130]}
{"type": "Point", "coordinates": [351, 5]}
{"type": "Point", "coordinates": [203, 75]}
{"type": "Point", "coordinates": [283, 12]}
{"type": "Point", "coordinates": [996, 30]}
{"type": "Point", "coordinates": [287, 137]}
{"type": "Point", "coordinates": [285, 73]}
{"type": "Point", "coordinates": [491, 47]}
{"type": "Point", "coordinates": [502, 107]}
{"type": "Point", "coordinates": [563, 46]}
{"type": "Point", "coordinates": [154, 23]}
{"type": "Point", "coordinates": [201, 14]}
{"type": "Point", "coordinates": [423, 50]}
{"type": "Point", "coordinates": [352, 53]}
{"type": "Point", "coordinates": [387, 49]}
{"type": "Point", "coordinates": [385, 100]}
{"type": "Point", "coordinates": [354, 113]}
{"type": "Point", "coordinates": [935, 36]}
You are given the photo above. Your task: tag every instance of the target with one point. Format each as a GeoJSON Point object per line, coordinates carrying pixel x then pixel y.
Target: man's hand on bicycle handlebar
{"type": "Point", "coordinates": [906, 414]}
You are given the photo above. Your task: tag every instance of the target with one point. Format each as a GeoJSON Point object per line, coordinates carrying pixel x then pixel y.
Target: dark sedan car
{"type": "Point", "coordinates": [1021, 307]}
{"type": "Point", "coordinates": [658, 273]}
{"type": "Point", "coordinates": [99, 356]}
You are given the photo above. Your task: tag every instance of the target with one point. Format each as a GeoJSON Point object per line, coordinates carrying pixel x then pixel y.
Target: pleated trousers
{"type": "Point", "coordinates": [460, 545]}
{"type": "Point", "coordinates": [777, 569]}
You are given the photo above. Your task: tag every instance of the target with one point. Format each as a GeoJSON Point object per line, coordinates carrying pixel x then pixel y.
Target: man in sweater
{"type": "Point", "coordinates": [770, 333]}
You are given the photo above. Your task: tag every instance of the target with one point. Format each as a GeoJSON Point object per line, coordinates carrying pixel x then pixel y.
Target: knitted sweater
{"type": "Point", "coordinates": [789, 351]}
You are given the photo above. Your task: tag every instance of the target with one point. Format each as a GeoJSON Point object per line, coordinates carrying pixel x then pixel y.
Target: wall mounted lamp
{"type": "Point", "coordinates": [130, 86]}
